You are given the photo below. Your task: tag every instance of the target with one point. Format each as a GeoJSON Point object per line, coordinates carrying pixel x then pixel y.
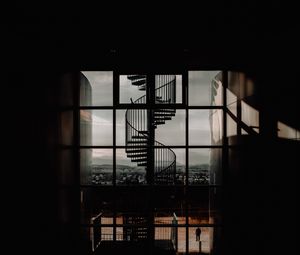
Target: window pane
{"type": "Point", "coordinates": [130, 170]}
{"type": "Point", "coordinates": [216, 118]}
{"type": "Point", "coordinates": [204, 205]}
{"type": "Point", "coordinates": [171, 129]}
{"type": "Point", "coordinates": [132, 124]}
{"type": "Point", "coordinates": [180, 166]}
{"type": "Point", "coordinates": [205, 166]}
{"type": "Point", "coordinates": [120, 127]}
{"type": "Point", "coordinates": [205, 127]}
{"type": "Point", "coordinates": [287, 132]}
{"type": "Point", "coordinates": [181, 245]}
{"type": "Point", "coordinates": [169, 205]}
{"type": "Point", "coordinates": [133, 89]}
{"type": "Point", "coordinates": [168, 89]}
{"type": "Point", "coordinates": [96, 203]}
{"type": "Point", "coordinates": [250, 116]}
{"type": "Point", "coordinates": [203, 245]}
{"type": "Point", "coordinates": [96, 166]}
{"type": "Point", "coordinates": [231, 102]}
{"type": "Point", "coordinates": [231, 126]}
{"type": "Point", "coordinates": [96, 127]}
{"type": "Point", "coordinates": [198, 205]}
{"type": "Point", "coordinates": [215, 205]}
{"type": "Point", "coordinates": [96, 88]}
{"type": "Point", "coordinates": [205, 88]}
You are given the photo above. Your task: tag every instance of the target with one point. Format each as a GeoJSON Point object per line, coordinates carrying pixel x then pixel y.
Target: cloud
{"type": "Point", "coordinates": [102, 87]}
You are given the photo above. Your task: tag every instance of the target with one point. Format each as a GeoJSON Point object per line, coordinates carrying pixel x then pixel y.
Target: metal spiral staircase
{"type": "Point", "coordinates": [138, 125]}
{"type": "Point", "coordinates": [141, 147]}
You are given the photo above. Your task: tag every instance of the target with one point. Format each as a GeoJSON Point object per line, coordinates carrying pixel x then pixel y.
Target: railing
{"type": "Point", "coordinates": [96, 235]}
{"type": "Point", "coordinates": [137, 133]}
{"type": "Point", "coordinates": [174, 232]}
{"type": "Point", "coordinates": [165, 89]}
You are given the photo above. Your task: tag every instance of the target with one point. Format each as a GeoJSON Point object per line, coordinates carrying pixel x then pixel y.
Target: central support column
{"type": "Point", "coordinates": [150, 123]}
{"type": "Point", "coordinates": [150, 158]}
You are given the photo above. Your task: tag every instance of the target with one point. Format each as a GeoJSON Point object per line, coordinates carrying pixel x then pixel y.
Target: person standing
{"type": "Point", "coordinates": [198, 233]}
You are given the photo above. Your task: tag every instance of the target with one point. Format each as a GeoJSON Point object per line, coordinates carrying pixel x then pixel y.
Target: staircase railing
{"type": "Point", "coordinates": [137, 133]}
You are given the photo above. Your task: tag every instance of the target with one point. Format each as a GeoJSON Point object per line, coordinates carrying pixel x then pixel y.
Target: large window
{"type": "Point", "coordinates": [150, 152]}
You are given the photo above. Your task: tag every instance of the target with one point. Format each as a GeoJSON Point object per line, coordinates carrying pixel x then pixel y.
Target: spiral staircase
{"type": "Point", "coordinates": [141, 147]}
{"type": "Point", "coordinates": [139, 144]}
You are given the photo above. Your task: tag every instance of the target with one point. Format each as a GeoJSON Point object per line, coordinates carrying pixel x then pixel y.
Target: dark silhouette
{"type": "Point", "coordinates": [198, 233]}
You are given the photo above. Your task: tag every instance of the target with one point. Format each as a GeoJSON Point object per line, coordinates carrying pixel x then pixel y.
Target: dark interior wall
{"type": "Point", "coordinates": [40, 45]}
{"type": "Point", "coordinates": [262, 194]}
{"type": "Point", "coordinates": [261, 182]}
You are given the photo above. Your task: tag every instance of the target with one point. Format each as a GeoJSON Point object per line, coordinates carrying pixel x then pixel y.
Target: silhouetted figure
{"type": "Point", "coordinates": [198, 233]}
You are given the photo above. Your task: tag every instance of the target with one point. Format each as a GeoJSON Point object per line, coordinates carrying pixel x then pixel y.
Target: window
{"type": "Point", "coordinates": [150, 152]}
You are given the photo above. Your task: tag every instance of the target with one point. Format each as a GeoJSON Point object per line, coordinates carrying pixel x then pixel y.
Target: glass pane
{"type": "Point", "coordinates": [181, 236]}
{"type": "Point", "coordinates": [106, 233]}
{"type": "Point", "coordinates": [133, 89]}
{"type": "Point", "coordinates": [180, 166]}
{"type": "Point", "coordinates": [132, 127]}
{"type": "Point", "coordinates": [216, 120]}
{"type": "Point", "coordinates": [168, 89]}
{"type": "Point", "coordinates": [198, 205]}
{"type": "Point", "coordinates": [205, 166]}
{"type": "Point", "coordinates": [96, 127]}
{"type": "Point", "coordinates": [120, 127]}
{"type": "Point", "coordinates": [231, 126]}
{"type": "Point", "coordinates": [250, 116]}
{"type": "Point", "coordinates": [170, 129]}
{"type": "Point", "coordinates": [205, 88]}
{"type": "Point", "coordinates": [285, 131]}
{"type": "Point", "coordinates": [201, 240]}
{"type": "Point", "coordinates": [169, 206]}
{"type": "Point", "coordinates": [215, 205]}
{"type": "Point", "coordinates": [130, 168]}
{"type": "Point", "coordinates": [66, 127]}
{"type": "Point", "coordinates": [205, 127]}
{"type": "Point", "coordinates": [231, 102]}
{"type": "Point", "coordinates": [100, 233]}
{"type": "Point", "coordinates": [132, 203]}
{"type": "Point", "coordinates": [96, 203]}
{"type": "Point", "coordinates": [162, 233]}
{"type": "Point", "coordinates": [169, 166]}
{"type": "Point", "coordinates": [96, 166]}
{"type": "Point", "coordinates": [96, 88]}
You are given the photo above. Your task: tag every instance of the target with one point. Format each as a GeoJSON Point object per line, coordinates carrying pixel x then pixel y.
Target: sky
{"type": "Point", "coordinates": [171, 133]}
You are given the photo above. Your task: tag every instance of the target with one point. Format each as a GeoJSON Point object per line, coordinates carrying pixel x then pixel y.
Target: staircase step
{"type": "Point", "coordinates": [159, 122]}
{"type": "Point", "coordinates": [144, 132]}
{"type": "Point", "coordinates": [139, 160]}
{"type": "Point", "coordinates": [135, 155]}
{"type": "Point", "coordinates": [142, 88]}
{"type": "Point", "coordinates": [135, 142]}
{"type": "Point", "coordinates": [135, 150]}
{"type": "Point", "coordinates": [140, 137]}
{"type": "Point", "coordinates": [164, 118]}
{"type": "Point", "coordinates": [136, 76]}
{"type": "Point", "coordinates": [139, 82]}
{"type": "Point", "coordinates": [142, 164]}
{"type": "Point", "coordinates": [165, 110]}
{"type": "Point", "coordinates": [162, 101]}
{"type": "Point", "coordinates": [164, 114]}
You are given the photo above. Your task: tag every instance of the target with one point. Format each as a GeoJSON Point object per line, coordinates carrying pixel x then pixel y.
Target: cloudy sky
{"type": "Point", "coordinates": [171, 133]}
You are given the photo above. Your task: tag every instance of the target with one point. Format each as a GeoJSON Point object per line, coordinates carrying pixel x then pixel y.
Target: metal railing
{"type": "Point", "coordinates": [137, 133]}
